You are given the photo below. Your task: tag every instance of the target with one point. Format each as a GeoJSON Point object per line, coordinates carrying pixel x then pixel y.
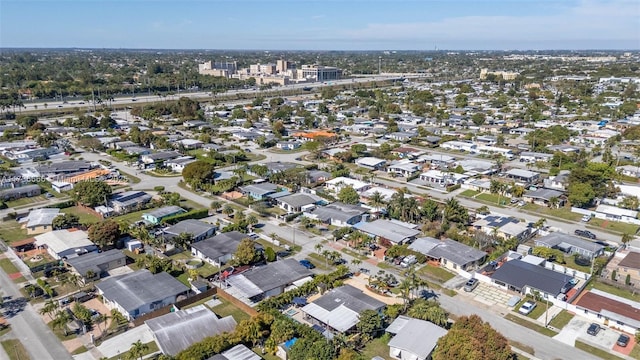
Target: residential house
{"type": "Point", "coordinates": [337, 214]}
{"type": "Point", "coordinates": [437, 177]}
{"type": "Point", "coordinates": [626, 263]}
{"type": "Point", "coordinates": [339, 308]}
{"type": "Point", "coordinates": [121, 145]}
{"type": "Point", "coordinates": [219, 249]}
{"type": "Point", "coordinates": [545, 197]}
{"type": "Point", "coordinates": [20, 192]}
{"type": "Point", "coordinates": [176, 331]}
{"type": "Point", "coordinates": [65, 244]}
{"type": "Point", "coordinates": [278, 167]}
{"type": "Point", "coordinates": [298, 202]}
{"type": "Point", "coordinates": [571, 244]}
{"type": "Point", "coordinates": [404, 168]}
{"type": "Point", "coordinates": [558, 182]}
{"type": "Point", "coordinates": [140, 292]}
{"type": "Point", "coordinates": [610, 310]}
{"type": "Point", "coordinates": [189, 144]}
{"type": "Point", "coordinates": [259, 191]}
{"type": "Point", "coordinates": [527, 277]}
{"type": "Point", "coordinates": [137, 150]}
{"type": "Point", "coordinates": [532, 157]}
{"type": "Point", "coordinates": [614, 213]}
{"type": "Point", "coordinates": [523, 177]}
{"type": "Point", "coordinates": [437, 160]}
{"type": "Point", "coordinates": [392, 232]}
{"type": "Point", "coordinates": [460, 146]}
{"type": "Point", "coordinates": [156, 216]}
{"type": "Point", "coordinates": [96, 265]}
{"type": "Point", "coordinates": [317, 176]}
{"type": "Point", "coordinates": [629, 170]}
{"type": "Point", "coordinates": [270, 280]}
{"type": "Point", "coordinates": [288, 145]}
{"type": "Point", "coordinates": [200, 230]}
{"type": "Point", "coordinates": [477, 167]}
{"type": "Point", "coordinates": [337, 184]}
{"type": "Point", "coordinates": [371, 163]}
{"type": "Point", "coordinates": [39, 220]}
{"type": "Point", "coordinates": [413, 339]}
{"type": "Point", "coordinates": [159, 157]}
{"type": "Point", "coordinates": [450, 254]}
{"type": "Point", "coordinates": [128, 201]}
{"type": "Point", "coordinates": [178, 164]}
{"type": "Point", "coordinates": [402, 136]}
{"type": "Point", "coordinates": [238, 352]}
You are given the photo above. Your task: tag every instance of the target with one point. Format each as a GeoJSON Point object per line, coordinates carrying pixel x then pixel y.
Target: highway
{"type": "Point", "coordinates": [144, 97]}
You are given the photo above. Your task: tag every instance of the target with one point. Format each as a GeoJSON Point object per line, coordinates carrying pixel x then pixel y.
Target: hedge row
{"type": "Point", "coordinates": [193, 214]}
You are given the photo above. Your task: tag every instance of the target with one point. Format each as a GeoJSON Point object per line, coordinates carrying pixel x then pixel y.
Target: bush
{"type": "Point", "coordinates": [453, 187]}
{"type": "Point", "coordinates": [290, 217]}
{"type": "Point", "coordinates": [614, 275]}
{"type": "Point", "coordinates": [158, 188]}
{"type": "Point", "coordinates": [627, 280]}
{"type": "Point", "coordinates": [193, 214]}
{"type": "Point", "coordinates": [63, 205]}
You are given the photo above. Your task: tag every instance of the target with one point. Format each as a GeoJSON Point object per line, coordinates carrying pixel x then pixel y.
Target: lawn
{"type": "Point", "coordinates": [531, 325]}
{"type": "Point", "coordinates": [635, 353]}
{"type": "Point", "coordinates": [561, 320]}
{"type": "Point", "coordinates": [524, 347]}
{"type": "Point", "coordinates": [493, 198]}
{"type": "Point", "coordinates": [131, 178]}
{"type": "Point", "coordinates": [614, 290]}
{"type": "Point", "coordinates": [227, 308]}
{"type": "Point", "coordinates": [353, 254]}
{"type": "Point", "coordinates": [319, 261]}
{"type": "Point", "coordinates": [153, 347]}
{"type": "Point", "coordinates": [26, 201]}
{"type": "Point", "coordinates": [85, 216]}
{"type": "Point", "coordinates": [603, 354]}
{"type": "Point", "coordinates": [616, 226]}
{"type": "Point", "coordinates": [570, 262]}
{"type": "Point", "coordinates": [537, 312]}
{"type": "Point", "coordinates": [133, 216]}
{"type": "Point", "coordinates": [206, 270]}
{"type": "Point", "coordinates": [15, 349]}
{"type": "Point", "coordinates": [60, 332]}
{"type": "Point", "coordinates": [376, 347]}
{"type": "Point", "coordinates": [10, 231]}
{"type": "Point", "coordinates": [80, 350]}
{"type": "Point", "coordinates": [469, 193]}
{"type": "Point", "coordinates": [436, 273]}
{"type": "Point", "coordinates": [8, 266]}
{"type": "Point", "coordinates": [562, 213]}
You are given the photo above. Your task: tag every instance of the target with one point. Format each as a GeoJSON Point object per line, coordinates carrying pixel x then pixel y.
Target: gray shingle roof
{"type": "Point", "coordinates": [190, 226]}
{"type": "Point", "coordinates": [219, 245]}
{"type": "Point", "coordinates": [337, 211]}
{"type": "Point", "coordinates": [520, 274]}
{"type": "Point", "coordinates": [386, 229]}
{"type": "Point", "coordinates": [277, 274]}
{"type": "Point", "coordinates": [415, 336]}
{"type": "Point", "coordinates": [299, 200]}
{"type": "Point", "coordinates": [165, 210]}
{"type": "Point", "coordinates": [458, 253]}
{"type": "Point", "coordinates": [177, 331]}
{"type": "Point", "coordinates": [556, 238]}
{"type": "Point", "coordinates": [93, 261]}
{"type": "Point", "coordinates": [133, 290]}
{"type": "Point", "coordinates": [352, 298]}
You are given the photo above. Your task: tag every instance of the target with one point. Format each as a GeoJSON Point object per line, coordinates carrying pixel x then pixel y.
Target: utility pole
{"type": "Point", "coordinates": [379, 65]}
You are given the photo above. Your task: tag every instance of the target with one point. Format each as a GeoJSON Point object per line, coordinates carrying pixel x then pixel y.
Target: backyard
{"type": "Point", "coordinates": [152, 348]}
{"type": "Point", "coordinates": [85, 216]}
{"type": "Point", "coordinates": [376, 347]}
{"type": "Point", "coordinates": [11, 231]}
{"type": "Point", "coordinates": [227, 308]}
{"type": "Point", "coordinates": [618, 291]}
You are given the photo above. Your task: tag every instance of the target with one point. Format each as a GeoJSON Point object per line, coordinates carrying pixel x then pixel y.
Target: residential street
{"type": "Point", "coordinates": [27, 326]}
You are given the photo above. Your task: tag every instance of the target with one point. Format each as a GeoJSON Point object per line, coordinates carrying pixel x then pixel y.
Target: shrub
{"type": "Point", "coordinates": [158, 188]}
{"type": "Point", "coordinates": [627, 280]}
{"type": "Point", "coordinates": [193, 214]}
{"type": "Point", "coordinates": [613, 275]}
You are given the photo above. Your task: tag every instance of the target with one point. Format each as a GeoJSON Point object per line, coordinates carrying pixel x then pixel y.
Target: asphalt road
{"type": "Point", "coordinates": [28, 327]}
{"type": "Point", "coordinates": [143, 97]}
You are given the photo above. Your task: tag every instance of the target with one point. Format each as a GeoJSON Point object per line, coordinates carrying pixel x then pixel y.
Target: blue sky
{"type": "Point", "coordinates": [322, 25]}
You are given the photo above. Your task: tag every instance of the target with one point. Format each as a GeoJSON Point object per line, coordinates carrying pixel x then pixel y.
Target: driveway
{"type": "Point", "coordinates": [122, 343]}
{"type": "Point", "coordinates": [576, 329]}
{"type": "Point", "coordinates": [488, 295]}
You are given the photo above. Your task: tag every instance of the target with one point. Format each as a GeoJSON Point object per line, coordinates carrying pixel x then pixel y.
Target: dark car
{"type": "Point", "coordinates": [585, 233]}
{"type": "Point", "coordinates": [470, 285]}
{"type": "Point", "coordinates": [283, 254]}
{"type": "Point", "coordinates": [593, 329]}
{"type": "Point", "coordinates": [308, 264]}
{"type": "Point", "coordinates": [623, 340]}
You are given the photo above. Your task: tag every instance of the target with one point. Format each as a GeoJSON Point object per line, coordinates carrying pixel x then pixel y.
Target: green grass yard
{"type": "Point", "coordinates": [561, 320]}
{"type": "Point", "coordinates": [85, 216]}
{"type": "Point", "coordinates": [11, 231]}
{"type": "Point", "coordinates": [15, 349]}
{"type": "Point", "coordinates": [615, 226]}
{"type": "Point", "coordinates": [614, 290]}
{"type": "Point", "coordinates": [376, 347]}
{"type": "Point", "coordinates": [531, 325]}
{"type": "Point", "coordinates": [493, 198]}
{"type": "Point", "coordinates": [436, 273]}
{"type": "Point", "coordinates": [227, 308]}
{"type": "Point", "coordinates": [603, 354]}
{"type": "Point", "coordinates": [469, 193]}
{"type": "Point", "coordinates": [153, 347]}
{"type": "Point", "coordinates": [562, 213]}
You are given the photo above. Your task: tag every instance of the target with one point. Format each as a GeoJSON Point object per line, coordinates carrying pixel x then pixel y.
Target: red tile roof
{"type": "Point", "coordinates": [597, 303]}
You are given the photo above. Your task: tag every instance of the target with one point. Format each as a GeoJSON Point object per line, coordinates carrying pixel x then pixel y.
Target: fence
{"type": "Point", "coordinates": [239, 304]}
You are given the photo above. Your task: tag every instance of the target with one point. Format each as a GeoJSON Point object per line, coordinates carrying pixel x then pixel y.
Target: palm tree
{"type": "Point", "coordinates": [405, 292]}
{"type": "Point", "coordinates": [216, 205]}
{"type": "Point", "coordinates": [49, 308]}
{"type": "Point", "coordinates": [318, 248]}
{"type": "Point", "coordinates": [553, 202]}
{"type": "Point", "coordinates": [356, 262]}
{"type": "Point", "coordinates": [117, 317]}
{"type": "Point", "coordinates": [61, 320]}
{"type": "Point", "coordinates": [227, 210]}
{"type": "Point", "coordinates": [377, 200]}
{"type": "Point", "coordinates": [252, 221]}
{"type": "Point", "coordinates": [183, 240]}
{"type": "Point", "coordinates": [137, 350]}
{"type": "Point", "coordinates": [540, 223]}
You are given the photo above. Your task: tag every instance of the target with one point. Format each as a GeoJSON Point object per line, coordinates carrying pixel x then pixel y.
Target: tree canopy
{"type": "Point", "coordinates": [348, 195]}
{"type": "Point", "coordinates": [104, 233]}
{"type": "Point", "coordinates": [91, 193]}
{"type": "Point", "coordinates": [472, 339]}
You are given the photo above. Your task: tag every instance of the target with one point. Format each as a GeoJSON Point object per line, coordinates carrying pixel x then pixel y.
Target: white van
{"type": "Point", "coordinates": [408, 261]}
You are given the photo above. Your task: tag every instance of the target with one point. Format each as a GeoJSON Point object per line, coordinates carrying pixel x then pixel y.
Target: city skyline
{"type": "Point", "coordinates": [322, 25]}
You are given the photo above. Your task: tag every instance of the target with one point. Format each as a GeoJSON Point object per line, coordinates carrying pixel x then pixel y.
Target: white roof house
{"type": "Point", "coordinates": [616, 213]}
{"type": "Point", "coordinates": [65, 243]}
{"type": "Point", "coordinates": [414, 339]}
{"type": "Point", "coordinates": [371, 162]}
{"type": "Point", "coordinates": [338, 183]}
{"type": "Point", "coordinates": [40, 220]}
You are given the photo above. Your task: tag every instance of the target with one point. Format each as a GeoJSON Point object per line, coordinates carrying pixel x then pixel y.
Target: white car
{"type": "Point", "coordinates": [586, 218]}
{"type": "Point", "coordinates": [527, 307]}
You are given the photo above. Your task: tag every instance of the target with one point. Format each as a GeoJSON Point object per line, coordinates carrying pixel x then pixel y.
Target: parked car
{"type": "Point", "coordinates": [398, 260]}
{"type": "Point", "coordinates": [585, 233]}
{"type": "Point", "coordinates": [308, 264]}
{"type": "Point", "coordinates": [514, 200]}
{"type": "Point", "coordinates": [593, 329]}
{"type": "Point", "coordinates": [527, 307]}
{"type": "Point", "coordinates": [470, 285]}
{"type": "Point", "coordinates": [408, 261]}
{"type": "Point", "coordinates": [623, 340]}
{"type": "Point", "coordinates": [586, 218]}
{"type": "Point", "coordinates": [283, 254]}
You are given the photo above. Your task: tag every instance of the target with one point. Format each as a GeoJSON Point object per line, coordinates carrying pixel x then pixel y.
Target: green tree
{"type": "Point", "coordinates": [471, 338]}
{"type": "Point", "coordinates": [61, 320]}
{"type": "Point", "coordinates": [198, 172]}
{"type": "Point", "coordinates": [429, 311]}
{"type": "Point", "coordinates": [430, 210]}
{"type": "Point", "coordinates": [369, 323]}
{"type": "Point", "coordinates": [245, 253]}
{"type": "Point", "coordinates": [270, 254]}
{"type": "Point", "coordinates": [377, 200]}
{"type": "Point", "coordinates": [478, 118]}
{"type": "Point", "coordinates": [227, 210]}
{"type": "Point", "coordinates": [90, 143]}
{"type": "Point", "coordinates": [461, 101]}
{"type": "Point", "coordinates": [454, 212]}
{"type": "Point", "coordinates": [216, 205]}
{"type": "Point", "coordinates": [580, 194]}
{"type": "Point", "coordinates": [65, 221]}
{"type": "Point", "coordinates": [104, 233]}
{"type": "Point", "coordinates": [348, 195]}
{"type": "Point", "coordinates": [137, 350]}
{"type": "Point", "coordinates": [91, 193]}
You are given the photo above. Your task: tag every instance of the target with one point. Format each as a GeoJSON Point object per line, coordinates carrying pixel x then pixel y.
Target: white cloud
{"type": "Point", "coordinates": [588, 20]}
